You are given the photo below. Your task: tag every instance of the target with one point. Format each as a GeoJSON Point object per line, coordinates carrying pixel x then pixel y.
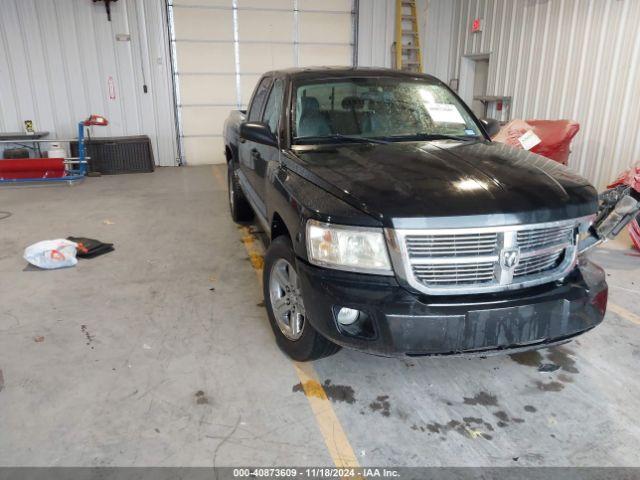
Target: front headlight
{"type": "Point", "coordinates": [356, 249]}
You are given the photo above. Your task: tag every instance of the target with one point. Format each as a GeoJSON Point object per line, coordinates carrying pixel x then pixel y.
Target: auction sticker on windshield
{"type": "Point", "coordinates": [444, 113]}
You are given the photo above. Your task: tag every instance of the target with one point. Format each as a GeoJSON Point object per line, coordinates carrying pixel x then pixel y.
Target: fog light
{"type": "Point", "coordinates": [347, 316]}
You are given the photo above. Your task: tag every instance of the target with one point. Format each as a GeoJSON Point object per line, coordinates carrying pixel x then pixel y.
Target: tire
{"type": "Point", "coordinates": [240, 209]}
{"type": "Point", "coordinates": [297, 338]}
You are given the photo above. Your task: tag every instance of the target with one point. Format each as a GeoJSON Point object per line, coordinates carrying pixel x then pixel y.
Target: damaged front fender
{"type": "Point", "coordinates": [619, 207]}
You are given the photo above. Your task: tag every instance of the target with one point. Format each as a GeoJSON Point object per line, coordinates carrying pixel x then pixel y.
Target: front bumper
{"type": "Point", "coordinates": [409, 323]}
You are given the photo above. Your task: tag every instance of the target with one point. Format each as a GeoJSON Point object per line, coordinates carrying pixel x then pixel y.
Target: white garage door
{"type": "Point", "coordinates": [221, 47]}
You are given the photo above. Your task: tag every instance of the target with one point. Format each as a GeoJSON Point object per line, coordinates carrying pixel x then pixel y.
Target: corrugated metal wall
{"type": "Point", "coordinates": [437, 28]}
{"type": "Point", "coordinates": [558, 59]}
{"type": "Point", "coordinates": [60, 61]}
{"type": "Point", "coordinates": [375, 32]}
{"type": "Point", "coordinates": [569, 59]}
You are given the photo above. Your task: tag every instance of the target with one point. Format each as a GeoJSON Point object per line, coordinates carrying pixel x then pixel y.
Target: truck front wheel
{"type": "Point", "coordinates": [285, 306]}
{"type": "Point", "coordinates": [240, 209]}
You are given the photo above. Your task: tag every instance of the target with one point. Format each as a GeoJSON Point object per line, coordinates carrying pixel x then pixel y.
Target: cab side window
{"type": "Point", "coordinates": [274, 107]}
{"type": "Point", "coordinates": [259, 99]}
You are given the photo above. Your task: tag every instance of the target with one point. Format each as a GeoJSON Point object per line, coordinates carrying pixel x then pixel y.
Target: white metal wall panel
{"type": "Point", "coordinates": [436, 38]}
{"type": "Point", "coordinates": [376, 33]}
{"type": "Point", "coordinates": [561, 59]}
{"type": "Point", "coordinates": [264, 26]}
{"type": "Point", "coordinates": [376, 24]}
{"type": "Point", "coordinates": [247, 83]}
{"type": "Point", "coordinates": [315, 55]}
{"type": "Point", "coordinates": [219, 89]}
{"type": "Point", "coordinates": [201, 3]}
{"type": "Point", "coordinates": [325, 27]}
{"type": "Point", "coordinates": [204, 120]}
{"type": "Point", "coordinates": [196, 57]}
{"type": "Point", "coordinates": [206, 148]}
{"type": "Point", "coordinates": [326, 5]}
{"type": "Point", "coordinates": [265, 4]}
{"type": "Point", "coordinates": [56, 60]}
{"type": "Point", "coordinates": [222, 48]}
{"type": "Point", "coordinates": [573, 59]}
{"type": "Point", "coordinates": [262, 57]}
{"type": "Point", "coordinates": [203, 24]}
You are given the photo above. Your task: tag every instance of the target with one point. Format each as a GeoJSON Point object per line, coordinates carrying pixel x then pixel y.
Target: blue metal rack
{"type": "Point", "coordinates": [79, 164]}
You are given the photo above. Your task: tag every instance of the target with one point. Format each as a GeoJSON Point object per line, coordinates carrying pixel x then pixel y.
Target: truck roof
{"type": "Point", "coordinates": [306, 73]}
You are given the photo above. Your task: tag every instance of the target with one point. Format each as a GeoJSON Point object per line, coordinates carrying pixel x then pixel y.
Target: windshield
{"type": "Point", "coordinates": [378, 108]}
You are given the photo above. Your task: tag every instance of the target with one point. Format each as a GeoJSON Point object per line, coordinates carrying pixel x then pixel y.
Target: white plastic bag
{"type": "Point", "coordinates": [51, 254]}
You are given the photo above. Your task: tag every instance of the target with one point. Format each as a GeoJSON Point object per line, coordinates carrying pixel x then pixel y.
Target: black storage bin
{"type": "Point", "coordinates": [10, 153]}
{"type": "Point", "coordinates": [110, 155]}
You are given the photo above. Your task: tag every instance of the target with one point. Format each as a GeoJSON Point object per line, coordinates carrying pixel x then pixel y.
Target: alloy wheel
{"type": "Point", "coordinates": [286, 299]}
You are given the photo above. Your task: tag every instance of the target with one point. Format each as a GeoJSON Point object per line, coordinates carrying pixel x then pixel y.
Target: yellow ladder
{"type": "Point", "coordinates": [407, 54]}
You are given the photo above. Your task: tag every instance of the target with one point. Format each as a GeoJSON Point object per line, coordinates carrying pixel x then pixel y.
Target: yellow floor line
{"type": "Point", "coordinates": [334, 435]}
{"type": "Point", "coordinates": [330, 427]}
{"type": "Point", "coordinates": [218, 176]}
{"type": "Point", "coordinates": [624, 313]}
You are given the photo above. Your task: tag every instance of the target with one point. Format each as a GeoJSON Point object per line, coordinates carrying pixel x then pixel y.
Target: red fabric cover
{"type": "Point", "coordinates": [634, 233]}
{"type": "Point", "coordinates": [631, 178]}
{"type": "Point", "coordinates": [555, 136]}
{"type": "Point", "coordinates": [32, 168]}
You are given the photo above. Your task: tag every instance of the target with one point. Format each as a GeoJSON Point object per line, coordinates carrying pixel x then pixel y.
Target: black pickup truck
{"type": "Point", "coordinates": [397, 226]}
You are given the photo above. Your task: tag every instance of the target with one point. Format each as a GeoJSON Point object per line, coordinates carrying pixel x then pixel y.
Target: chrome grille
{"type": "Point", "coordinates": [537, 238]}
{"type": "Point", "coordinates": [473, 260]}
{"type": "Point", "coordinates": [451, 245]}
{"type": "Point", "coordinates": [538, 263]}
{"type": "Point", "coordinates": [455, 274]}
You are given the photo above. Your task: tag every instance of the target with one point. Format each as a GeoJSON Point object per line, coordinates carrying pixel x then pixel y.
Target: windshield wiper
{"type": "Point", "coordinates": [434, 136]}
{"type": "Point", "coordinates": [339, 136]}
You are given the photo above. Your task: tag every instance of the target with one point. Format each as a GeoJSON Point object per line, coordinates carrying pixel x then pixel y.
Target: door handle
{"type": "Point", "coordinates": [255, 154]}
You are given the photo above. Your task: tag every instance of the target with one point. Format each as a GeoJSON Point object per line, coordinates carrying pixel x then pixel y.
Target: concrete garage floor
{"type": "Point", "coordinates": [160, 354]}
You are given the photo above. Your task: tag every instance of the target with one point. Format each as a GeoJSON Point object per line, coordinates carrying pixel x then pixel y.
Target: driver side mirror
{"type": "Point", "coordinates": [258, 132]}
{"type": "Point", "coordinates": [491, 126]}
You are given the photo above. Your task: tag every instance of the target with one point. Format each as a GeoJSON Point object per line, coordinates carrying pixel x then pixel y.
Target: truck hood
{"type": "Point", "coordinates": [448, 183]}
